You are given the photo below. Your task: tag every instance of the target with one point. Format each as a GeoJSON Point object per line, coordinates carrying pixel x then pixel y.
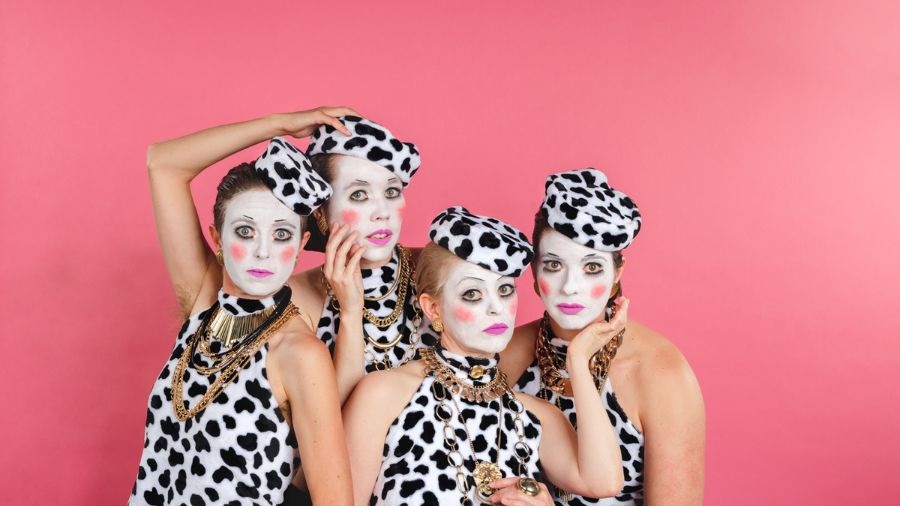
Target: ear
{"type": "Point", "coordinates": [303, 240]}
{"type": "Point", "coordinates": [429, 306]}
{"type": "Point", "coordinates": [214, 234]}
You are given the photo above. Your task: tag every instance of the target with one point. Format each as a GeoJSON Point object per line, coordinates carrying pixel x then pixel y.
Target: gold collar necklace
{"type": "Point", "coordinates": [445, 375]}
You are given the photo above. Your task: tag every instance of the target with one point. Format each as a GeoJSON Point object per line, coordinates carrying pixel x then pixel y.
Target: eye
{"type": "Point", "coordinates": [552, 265]}
{"type": "Point", "coordinates": [472, 295]}
{"type": "Point", "coordinates": [358, 196]}
{"type": "Point", "coordinates": [283, 235]}
{"type": "Point", "coordinates": [506, 290]}
{"type": "Point", "coordinates": [593, 268]}
{"type": "Point", "coordinates": [244, 232]}
{"type": "Point", "coordinates": [393, 193]}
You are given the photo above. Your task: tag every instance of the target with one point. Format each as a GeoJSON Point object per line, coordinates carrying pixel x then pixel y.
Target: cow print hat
{"type": "Point", "coordinates": [483, 241]}
{"type": "Point", "coordinates": [288, 173]}
{"type": "Point", "coordinates": [370, 141]}
{"type": "Point", "coordinates": [582, 206]}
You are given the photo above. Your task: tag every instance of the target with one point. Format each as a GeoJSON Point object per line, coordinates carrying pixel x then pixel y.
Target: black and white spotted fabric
{"type": "Point", "coordinates": [581, 205]}
{"type": "Point", "coordinates": [414, 467]}
{"type": "Point", "coordinates": [288, 173]}
{"type": "Point", "coordinates": [376, 283]}
{"type": "Point", "coordinates": [239, 450]}
{"type": "Point", "coordinates": [486, 242]}
{"type": "Point", "coordinates": [369, 141]}
{"type": "Point", "coordinates": [631, 441]}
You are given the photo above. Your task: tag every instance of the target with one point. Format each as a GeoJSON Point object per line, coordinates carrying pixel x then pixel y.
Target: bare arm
{"type": "Point", "coordinates": [674, 425]}
{"type": "Point", "coordinates": [173, 164]}
{"type": "Point", "coordinates": [308, 379]}
{"type": "Point", "coordinates": [596, 469]}
{"type": "Point", "coordinates": [341, 270]}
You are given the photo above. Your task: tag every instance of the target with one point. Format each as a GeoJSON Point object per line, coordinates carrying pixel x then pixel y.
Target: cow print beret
{"type": "Point", "coordinates": [581, 205]}
{"type": "Point", "coordinates": [484, 241]}
{"type": "Point", "coordinates": [369, 141]}
{"type": "Point", "coordinates": [288, 173]}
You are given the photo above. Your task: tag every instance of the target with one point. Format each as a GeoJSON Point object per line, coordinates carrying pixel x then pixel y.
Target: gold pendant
{"type": "Point", "coordinates": [476, 372]}
{"type": "Point", "coordinates": [485, 474]}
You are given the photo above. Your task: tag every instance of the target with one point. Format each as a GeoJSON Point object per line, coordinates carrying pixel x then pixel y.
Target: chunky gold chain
{"type": "Point", "coordinates": [552, 365]}
{"type": "Point", "coordinates": [468, 391]}
{"type": "Point", "coordinates": [401, 286]}
{"type": "Point", "coordinates": [228, 373]}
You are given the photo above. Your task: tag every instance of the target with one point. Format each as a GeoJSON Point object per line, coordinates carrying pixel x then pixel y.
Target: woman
{"type": "Point", "coordinates": [243, 398]}
{"type": "Point", "coordinates": [366, 277]}
{"type": "Point", "coordinates": [363, 297]}
{"type": "Point", "coordinates": [448, 429]}
{"type": "Point", "coordinates": [579, 235]}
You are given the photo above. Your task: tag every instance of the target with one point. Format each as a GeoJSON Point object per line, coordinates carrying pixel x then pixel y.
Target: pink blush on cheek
{"type": "Point", "coordinates": [514, 305]}
{"type": "Point", "coordinates": [597, 291]}
{"type": "Point", "coordinates": [350, 217]}
{"type": "Point", "coordinates": [238, 252]}
{"type": "Point", "coordinates": [288, 254]}
{"type": "Point", "coordinates": [463, 314]}
{"type": "Point", "coordinates": [545, 288]}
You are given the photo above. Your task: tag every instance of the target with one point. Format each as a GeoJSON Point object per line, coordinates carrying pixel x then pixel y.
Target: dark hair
{"type": "Point", "coordinates": [324, 165]}
{"type": "Point", "coordinates": [238, 180]}
{"type": "Point", "coordinates": [540, 226]}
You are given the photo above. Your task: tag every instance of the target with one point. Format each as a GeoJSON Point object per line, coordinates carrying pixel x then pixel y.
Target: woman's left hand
{"type": "Point", "coordinates": [595, 336]}
{"type": "Point", "coordinates": [507, 492]}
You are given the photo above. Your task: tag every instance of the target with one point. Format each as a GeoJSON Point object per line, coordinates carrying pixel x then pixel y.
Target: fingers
{"type": "Point", "coordinates": [336, 123]}
{"type": "Point", "coordinates": [335, 239]}
{"type": "Point", "coordinates": [511, 495]}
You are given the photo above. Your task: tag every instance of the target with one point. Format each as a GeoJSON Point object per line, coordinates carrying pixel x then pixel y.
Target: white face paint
{"type": "Point", "coordinates": [368, 198]}
{"type": "Point", "coordinates": [478, 308]}
{"type": "Point", "coordinates": [574, 281]}
{"type": "Point", "coordinates": [260, 239]}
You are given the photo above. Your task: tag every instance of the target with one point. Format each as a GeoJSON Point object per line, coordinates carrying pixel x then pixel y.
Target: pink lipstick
{"type": "Point", "coordinates": [380, 237]}
{"type": "Point", "coordinates": [570, 309]}
{"type": "Point", "coordinates": [259, 273]}
{"type": "Point", "coordinates": [496, 329]}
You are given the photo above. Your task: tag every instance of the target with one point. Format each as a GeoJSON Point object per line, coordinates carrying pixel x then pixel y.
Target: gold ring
{"type": "Point", "coordinates": [529, 486]}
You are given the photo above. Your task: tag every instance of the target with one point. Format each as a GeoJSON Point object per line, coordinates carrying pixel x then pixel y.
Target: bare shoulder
{"type": "Point", "coordinates": [658, 364]}
{"type": "Point", "coordinates": [297, 344]}
{"type": "Point", "coordinates": [519, 353]}
{"type": "Point", "coordinates": [308, 294]}
{"type": "Point", "coordinates": [386, 392]}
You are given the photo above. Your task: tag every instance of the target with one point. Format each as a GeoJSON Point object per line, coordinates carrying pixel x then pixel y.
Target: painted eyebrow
{"type": "Point", "coordinates": [469, 277]}
{"type": "Point", "coordinates": [593, 256]}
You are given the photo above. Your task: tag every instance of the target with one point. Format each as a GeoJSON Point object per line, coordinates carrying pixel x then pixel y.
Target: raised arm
{"type": "Point", "coordinates": [173, 164]}
{"type": "Point", "coordinates": [591, 463]}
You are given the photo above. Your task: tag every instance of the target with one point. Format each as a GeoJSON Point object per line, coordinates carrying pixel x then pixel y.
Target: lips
{"type": "Point", "coordinates": [496, 329]}
{"type": "Point", "coordinates": [259, 273]}
{"type": "Point", "coordinates": [380, 237]}
{"type": "Point", "coordinates": [570, 309]}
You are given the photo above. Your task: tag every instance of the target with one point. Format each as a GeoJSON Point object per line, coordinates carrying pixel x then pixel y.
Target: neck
{"type": "Point", "coordinates": [452, 346]}
{"type": "Point", "coordinates": [564, 334]}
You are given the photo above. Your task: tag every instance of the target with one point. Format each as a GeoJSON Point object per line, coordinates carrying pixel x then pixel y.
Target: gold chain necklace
{"type": "Point", "coordinates": [401, 286]}
{"type": "Point", "coordinates": [229, 371]}
{"type": "Point", "coordinates": [485, 471]}
{"type": "Point", "coordinates": [552, 365]}
{"type": "Point", "coordinates": [468, 391]}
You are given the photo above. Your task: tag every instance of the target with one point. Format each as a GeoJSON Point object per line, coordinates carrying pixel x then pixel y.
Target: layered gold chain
{"type": "Point", "coordinates": [400, 285]}
{"type": "Point", "coordinates": [468, 391]}
{"type": "Point", "coordinates": [552, 365]}
{"type": "Point", "coordinates": [233, 363]}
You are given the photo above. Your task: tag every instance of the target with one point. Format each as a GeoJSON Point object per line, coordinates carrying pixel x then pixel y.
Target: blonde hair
{"type": "Point", "coordinates": [431, 269]}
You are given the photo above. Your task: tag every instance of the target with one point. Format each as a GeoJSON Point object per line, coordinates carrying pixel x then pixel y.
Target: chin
{"type": "Point", "coordinates": [573, 322]}
{"type": "Point", "coordinates": [257, 289]}
{"type": "Point", "coordinates": [376, 254]}
{"type": "Point", "coordinates": [494, 345]}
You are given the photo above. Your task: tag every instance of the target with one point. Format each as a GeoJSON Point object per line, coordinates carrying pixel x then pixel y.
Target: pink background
{"type": "Point", "coordinates": [761, 140]}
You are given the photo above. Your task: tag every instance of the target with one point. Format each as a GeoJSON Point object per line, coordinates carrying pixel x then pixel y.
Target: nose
{"type": "Point", "coordinates": [570, 287]}
{"type": "Point", "coordinates": [494, 305]}
{"type": "Point", "coordinates": [380, 211]}
{"type": "Point", "coordinates": [262, 250]}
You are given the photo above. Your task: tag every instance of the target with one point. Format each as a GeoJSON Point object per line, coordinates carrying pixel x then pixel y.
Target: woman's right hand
{"type": "Point", "coordinates": [341, 268]}
{"type": "Point", "coordinates": [507, 492]}
{"type": "Point", "coordinates": [304, 123]}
